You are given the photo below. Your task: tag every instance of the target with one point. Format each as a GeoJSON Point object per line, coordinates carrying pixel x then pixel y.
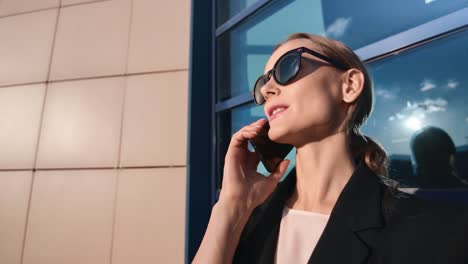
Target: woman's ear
{"type": "Point", "coordinates": [353, 83]}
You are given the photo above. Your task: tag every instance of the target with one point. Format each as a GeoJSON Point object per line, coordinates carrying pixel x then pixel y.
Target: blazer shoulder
{"type": "Point", "coordinates": [401, 204]}
{"type": "Point", "coordinates": [426, 226]}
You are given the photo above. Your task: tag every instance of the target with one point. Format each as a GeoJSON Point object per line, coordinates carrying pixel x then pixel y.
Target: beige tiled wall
{"type": "Point", "coordinates": [13, 7]}
{"type": "Point", "coordinates": [26, 46]}
{"type": "Point", "coordinates": [93, 131]}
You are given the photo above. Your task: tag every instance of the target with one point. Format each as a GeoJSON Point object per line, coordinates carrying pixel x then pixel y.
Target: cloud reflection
{"type": "Point", "coordinates": [419, 110]}
{"type": "Point", "coordinates": [452, 84]}
{"type": "Point", "coordinates": [385, 94]}
{"type": "Point", "coordinates": [338, 27]}
{"type": "Point", "coordinates": [427, 85]}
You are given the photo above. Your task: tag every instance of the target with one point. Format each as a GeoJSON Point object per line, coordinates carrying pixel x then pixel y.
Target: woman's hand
{"type": "Point", "coordinates": [242, 185]}
{"type": "Point", "coordinates": [243, 189]}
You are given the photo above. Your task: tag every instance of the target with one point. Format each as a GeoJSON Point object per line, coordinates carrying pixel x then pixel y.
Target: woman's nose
{"type": "Point", "coordinates": [270, 89]}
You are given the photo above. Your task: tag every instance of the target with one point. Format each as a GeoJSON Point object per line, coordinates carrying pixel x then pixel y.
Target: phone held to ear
{"type": "Point", "coordinates": [271, 153]}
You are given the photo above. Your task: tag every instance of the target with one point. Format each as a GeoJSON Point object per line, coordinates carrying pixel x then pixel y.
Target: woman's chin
{"type": "Point", "coordinates": [278, 136]}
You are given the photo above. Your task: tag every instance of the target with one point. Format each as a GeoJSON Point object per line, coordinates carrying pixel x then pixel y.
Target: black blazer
{"type": "Point", "coordinates": [368, 224]}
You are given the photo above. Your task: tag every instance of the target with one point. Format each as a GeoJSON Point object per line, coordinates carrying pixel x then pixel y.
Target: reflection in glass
{"type": "Point", "coordinates": [433, 154]}
{"type": "Point", "coordinates": [227, 9]}
{"type": "Point", "coordinates": [361, 24]}
{"type": "Point", "coordinates": [420, 115]}
{"type": "Point", "coordinates": [243, 51]}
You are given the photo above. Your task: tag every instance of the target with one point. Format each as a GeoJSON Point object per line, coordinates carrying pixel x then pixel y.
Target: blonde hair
{"type": "Point", "coordinates": [362, 147]}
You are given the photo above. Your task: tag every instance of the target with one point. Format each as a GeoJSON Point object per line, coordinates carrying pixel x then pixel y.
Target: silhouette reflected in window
{"type": "Point", "coordinates": [433, 159]}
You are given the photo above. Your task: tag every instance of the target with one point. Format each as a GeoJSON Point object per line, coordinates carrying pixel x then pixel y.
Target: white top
{"type": "Point", "coordinates": [298, 235]}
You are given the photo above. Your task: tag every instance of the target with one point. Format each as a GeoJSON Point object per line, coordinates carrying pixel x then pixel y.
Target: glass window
{"type": "Point", "coordinates": [361, 24]}
{"type": "Point", "coordinates": [243, 51]}
{"type": "Point", "coordinates": [227, 9]}
{"type": "Point", "coordinates": [420, 114]}
{"type": "Point", "coordinates": [420, 97]}
{"type": "Point", "coordinates": [229, 122]}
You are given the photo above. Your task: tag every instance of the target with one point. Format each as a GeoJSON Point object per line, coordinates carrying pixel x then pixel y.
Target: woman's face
{"type": "Point", "coordinates": [313, 100]}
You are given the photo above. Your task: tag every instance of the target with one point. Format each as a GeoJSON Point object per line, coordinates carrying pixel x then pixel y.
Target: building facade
{"type": "Point", "coordinates": [93, 130]}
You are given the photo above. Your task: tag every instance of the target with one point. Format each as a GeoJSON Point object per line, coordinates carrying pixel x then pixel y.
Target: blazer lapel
{"type": "Point", "coordinates": [352, 229]}
{"type": "Point", "coordinates": [355, 221]}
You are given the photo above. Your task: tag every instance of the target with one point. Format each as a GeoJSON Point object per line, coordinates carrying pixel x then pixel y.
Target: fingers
{"type": "Point", "coordinates": [239, 139]}
{"type": "Point", "coordinates": [280, 170]}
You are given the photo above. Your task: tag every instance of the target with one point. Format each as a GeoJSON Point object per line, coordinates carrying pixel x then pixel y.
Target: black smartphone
{"type": "Point", "coordinates": [271, 153]}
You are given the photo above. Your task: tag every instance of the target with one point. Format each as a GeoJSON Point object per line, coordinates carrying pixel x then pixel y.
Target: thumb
{"type": "Point", "coordinates": [280, 170]}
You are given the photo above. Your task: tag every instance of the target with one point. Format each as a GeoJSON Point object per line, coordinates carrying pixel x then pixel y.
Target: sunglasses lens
{"type": "Point", "coordinates": [257, 94]}
{"type": "Point", "coordinates": [287, 67]}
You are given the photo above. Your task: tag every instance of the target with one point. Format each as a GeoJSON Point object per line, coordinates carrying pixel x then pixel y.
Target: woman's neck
{"type": "Point", "coordinates": [322, 170]}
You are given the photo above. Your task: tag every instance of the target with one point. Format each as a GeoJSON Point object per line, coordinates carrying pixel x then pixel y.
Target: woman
{"type": "Point", "coordinates": [336, 206]}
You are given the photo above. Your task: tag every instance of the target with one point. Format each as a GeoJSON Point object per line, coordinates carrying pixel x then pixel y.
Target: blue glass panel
{"type": "Point", "coordinates": [418, 94]}
{"type": "Point", "coordinates": [243, 51]}
{"type": "Point", "coordinates": [363, 23]}
{"type": "Point", "coordinates": [227, 9]}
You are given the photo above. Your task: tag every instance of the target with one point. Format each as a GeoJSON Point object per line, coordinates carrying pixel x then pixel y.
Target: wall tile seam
{"type": "Point", "coordinates": [129, 34]}
{"type": "Point", "coordinates": [50, 8]}
{"type": "Point", "coordinates": [122, 114]}
{"type": "Point", "coordinates": [121, 136]}
{"type": "Point", "coordinates": [39, 132]}
{"type": "Point", "coordinates": [81, 3]}
{"type": "Point", "coordinates": [28, 12]}
{"type": "Point", "coordinates": [93, 77]}
{"type": "Point", "coordinates": [97, 168]}
{"type": "Point", "coordinates": [114, 216]}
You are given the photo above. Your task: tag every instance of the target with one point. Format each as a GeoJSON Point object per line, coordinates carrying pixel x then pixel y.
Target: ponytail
{"type": "Point", "coordinates": [373, 154]}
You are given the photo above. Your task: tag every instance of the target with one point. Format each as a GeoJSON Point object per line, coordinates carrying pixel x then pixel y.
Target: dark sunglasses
{"type": "Point", "coordinates": [286, 69]}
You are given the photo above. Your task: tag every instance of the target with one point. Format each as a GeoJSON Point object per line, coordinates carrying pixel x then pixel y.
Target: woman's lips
{"type": "Point", "coordinates": [277, 114]}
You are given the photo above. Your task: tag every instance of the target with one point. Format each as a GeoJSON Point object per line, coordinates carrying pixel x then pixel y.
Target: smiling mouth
{"type": "Point", "coordinates": [278, 112]}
